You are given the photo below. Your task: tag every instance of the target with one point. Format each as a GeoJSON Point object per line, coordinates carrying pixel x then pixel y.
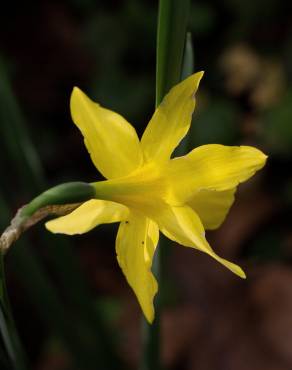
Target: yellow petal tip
{"type": "Point", "coordinates": [262, 159]}
{"type": "Point", "coordinates": [150, 318]}
{"type": "Point", "coordinates": [200, 73]}
{"type": "Point", "coordinates": [148, 311]}
{"type": "Point", "coordinates": [55, 226]}
{"type": "Point", "coordinates": [263, 155]}
{"type": "Point", "coordinates": [49, 225]}
{"type": "Point", "coordinates": [76, 91]}
{"type": "Point", "coordinates": [235, 269]}
{"type": "Point", "coordinates": [197, 77]}
{"type": "Point", "coordinates": [242, 274]}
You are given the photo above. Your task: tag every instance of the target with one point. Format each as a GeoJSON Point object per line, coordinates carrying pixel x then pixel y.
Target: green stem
{"type": "Point", "coordinates": [88, 345]}
{"type": "Point", "coordinates": [58, 200]}
{"type": "Point", "coordinates": [187, 70]}
{"type": "Point", "coordinates": [68, 310]}
{"type": "Point", "coordinates": [171, 34]}
{"type": "Point", "coordinates": [188, 66]}
{"type": "Point", "coordinates": [151, 333]}
{"type": "Point", "coordinates": [70, 192]}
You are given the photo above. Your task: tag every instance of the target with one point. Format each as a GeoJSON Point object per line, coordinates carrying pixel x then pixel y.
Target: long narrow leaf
{"type": "Point", "coordinates": [171, 33]}
{"type": "Point", "coordinates": [172, 25]}
{"type": "Point", "coordinates": [94, 347]}
{"type": "Point", "coordinates": [188, 64]}
{"type": "Point", "coordinates": [12, 346]}
{"type": "Point", "coordinates": [17, 361]}
{"type": "Point", "coordinates": [187, 70]}
{"type": "Point", "coordinates": [15, 138]}
{"type": "Point", "coordinates": [40, 291]}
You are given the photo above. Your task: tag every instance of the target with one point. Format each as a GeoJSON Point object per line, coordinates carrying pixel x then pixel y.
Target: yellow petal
{"type": "Point", "coordinates": [89, 215]}
{"type": "Point", "coordinates": [135, 246]}
{"type": "Point", "coordinates": [212, 206]}
{"type": "Point", "coordinates": [212, 167]}
{"type": "Point", "coordinates": [142, 189]}
{"type": "Point", "coordinates": [182, 225]}
{"type": "Point", "coordinates": [171, 120]}
{"type": "Point", "coordinates": [111, 141]}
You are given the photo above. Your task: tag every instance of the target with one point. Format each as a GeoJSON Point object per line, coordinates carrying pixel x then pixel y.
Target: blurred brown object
{"type": "Point", "coordinates": [179, 325]}
{"type": "Point", "coordinates": [272, 296]}
{"type": "Point", "coordinates": [241, 66]}
{"type": "Point", "coordinates": [222, 322]}
{"type": "Point", "coordinates": [270, 87]}
{"type": "Point", "coordinates": [247, 71]}
{"type": "Point", "coordinates": [54, 357]}
{"type": "Point", "coordinates": [242, 325]}
{"type": "Point", "coordinates": [238, 228]}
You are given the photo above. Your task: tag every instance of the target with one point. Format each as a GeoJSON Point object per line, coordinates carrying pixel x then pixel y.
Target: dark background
{"type": "Point", "coordinates": [66, 292]}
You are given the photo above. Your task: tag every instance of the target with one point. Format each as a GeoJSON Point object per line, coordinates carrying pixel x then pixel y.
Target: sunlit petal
{"type": "Point", "coordinates": [135, 245]}
{"type": "Point", "coordinates": [111, 141]}
{"type": "Point", "coordinates": [212, 206]}
{"type": "Point", "coordinates": [89, 215]}
{"type": "Point", "coordinates": [171, 120]}
{"type": "Point", "coordinates": [144, 188]}
{"type": "Point", "coordinates": [182, 225]}
{"type": "Point", "coordinates": [212, 167]}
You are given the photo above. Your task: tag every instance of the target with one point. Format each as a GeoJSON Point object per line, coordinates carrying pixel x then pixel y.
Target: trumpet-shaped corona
{"type": "Point", "coordinates": [147, 191]}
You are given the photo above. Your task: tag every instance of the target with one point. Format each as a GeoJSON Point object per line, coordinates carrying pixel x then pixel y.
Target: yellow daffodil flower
{"type": "Point", "coordinates": [147, 191]}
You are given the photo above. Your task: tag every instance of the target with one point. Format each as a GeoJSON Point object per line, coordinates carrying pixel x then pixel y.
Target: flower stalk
{"type": "Point", "coordinates": [145, 189]}
{"type": "Point", "coordinates": [59, 200]}
{"type": "Point", "coordinates": [171, 35]}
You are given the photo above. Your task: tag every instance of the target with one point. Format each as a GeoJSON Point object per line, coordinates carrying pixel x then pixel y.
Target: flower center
{"type": "Point", "coordinates": [143, 188]}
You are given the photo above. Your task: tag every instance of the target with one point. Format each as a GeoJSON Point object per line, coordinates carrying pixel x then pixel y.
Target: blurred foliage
{"type": "Point", "coordinates": [277, 130]}
{"type": "Point", "coordinates": [67, 297]}
{"type": "Point", "coordinates": [215, 123]}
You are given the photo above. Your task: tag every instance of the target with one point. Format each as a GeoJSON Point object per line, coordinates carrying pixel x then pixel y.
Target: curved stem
{"type": "Point", "coordinates": [59, 200]}
{"type": "Point", "coordinates": [67, 193]}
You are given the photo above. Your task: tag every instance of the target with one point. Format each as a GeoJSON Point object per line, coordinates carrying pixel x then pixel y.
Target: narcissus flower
{"type": "Point", "coordinates": [147, 191]}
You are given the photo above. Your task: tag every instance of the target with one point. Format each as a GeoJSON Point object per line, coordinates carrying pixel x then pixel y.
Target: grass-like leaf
{"type": "Point", "coordinates": [171, 34]}
{"type": "Point", "coordinates": [88, 350]}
